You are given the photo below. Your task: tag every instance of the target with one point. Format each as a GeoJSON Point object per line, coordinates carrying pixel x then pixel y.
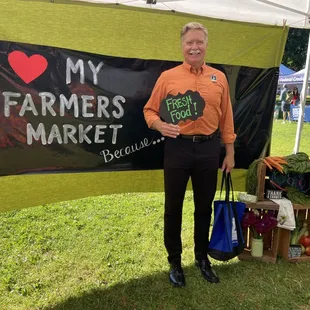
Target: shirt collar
{"type": "Point", "coordinates": [191, 69]}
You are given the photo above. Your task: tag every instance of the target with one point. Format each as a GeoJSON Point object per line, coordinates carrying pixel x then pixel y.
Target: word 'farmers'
{"type": "Point", "coordinates": [85, 106]}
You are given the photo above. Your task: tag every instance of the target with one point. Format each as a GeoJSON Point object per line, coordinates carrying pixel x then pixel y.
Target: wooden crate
{"type": "Point", "coordinates": [261, 177]}
{"type": "Point", "coordinates": [271, 240]}
{"type": "Point", "coordinates": [261, 181]}
{"type": "Point", "coordinates": [285, 236]}
{"type": "Point", "coordinates": [278, 241]}
{"type": "Point", "coordinates": [270, 249]}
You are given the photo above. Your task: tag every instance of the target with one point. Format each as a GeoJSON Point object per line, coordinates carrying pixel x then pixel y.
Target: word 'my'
{"type": "Point", "coordinates": [79, 66]}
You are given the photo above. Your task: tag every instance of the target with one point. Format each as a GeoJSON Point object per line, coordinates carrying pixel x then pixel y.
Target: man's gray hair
{"type": "Point", "coordinates": [194, 26]}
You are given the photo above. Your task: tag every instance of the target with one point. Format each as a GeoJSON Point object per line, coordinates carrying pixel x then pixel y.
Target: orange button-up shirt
{"type": "Point", "coordinates": [213, 88]}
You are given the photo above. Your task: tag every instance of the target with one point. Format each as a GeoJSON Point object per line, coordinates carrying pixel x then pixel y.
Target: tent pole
{"type": "Point", "coordinates": [303, 97]}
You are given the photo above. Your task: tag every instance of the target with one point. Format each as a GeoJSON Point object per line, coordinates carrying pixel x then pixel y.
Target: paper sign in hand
{"type": "Point", "coordinates": [182, 107]}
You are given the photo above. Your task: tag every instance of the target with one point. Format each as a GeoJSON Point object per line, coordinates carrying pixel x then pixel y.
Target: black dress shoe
{"type": "Point", "coordinates": [176, 275]}
{"type": "Point", "coordinates": [207, 271]}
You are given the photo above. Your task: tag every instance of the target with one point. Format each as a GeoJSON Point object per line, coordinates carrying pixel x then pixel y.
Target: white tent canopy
{"type": "Point", "coordinates": [294, 78]}
{"type": "Point", "coordinates": [292, 13]}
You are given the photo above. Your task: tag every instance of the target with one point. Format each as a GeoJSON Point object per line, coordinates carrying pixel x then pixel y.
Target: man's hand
{"type": "Point", "coordinates": [229, 160]}
{"type": "Point", "coordinates": [228, 163]}
{"type": "Point", "coordinates": [167, 130]}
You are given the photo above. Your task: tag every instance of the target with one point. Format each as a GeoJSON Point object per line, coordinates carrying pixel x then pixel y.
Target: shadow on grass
{"type": "Point", "coordinates": [155, 292]}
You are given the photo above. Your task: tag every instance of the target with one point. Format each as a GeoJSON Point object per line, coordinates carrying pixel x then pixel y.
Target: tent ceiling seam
{"type": "Point", "coordinates": [281, 6]}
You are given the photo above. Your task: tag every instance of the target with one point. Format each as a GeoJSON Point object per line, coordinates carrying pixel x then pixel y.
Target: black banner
{"type": "Point", "coordinates": [62, 110]}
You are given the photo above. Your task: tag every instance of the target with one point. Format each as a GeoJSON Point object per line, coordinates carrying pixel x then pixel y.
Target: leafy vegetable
{"type": "Point", "coordinates": [300, 230]}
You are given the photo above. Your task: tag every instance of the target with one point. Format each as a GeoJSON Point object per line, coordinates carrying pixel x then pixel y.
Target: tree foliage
{"type": "Point", "coordinates": [296, 49]}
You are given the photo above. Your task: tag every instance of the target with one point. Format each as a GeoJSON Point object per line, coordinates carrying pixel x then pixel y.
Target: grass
{"type": "Point", "coordinates": [284, 135]}
{"type": "Point", "coordinates": [107, 252]}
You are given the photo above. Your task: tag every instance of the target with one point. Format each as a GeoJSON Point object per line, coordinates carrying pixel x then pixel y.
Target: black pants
{"type": "Point", "coordinates": [200, 161]}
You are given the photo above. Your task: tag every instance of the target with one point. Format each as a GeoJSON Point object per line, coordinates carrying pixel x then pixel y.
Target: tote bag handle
{"type": "Point", "coordinates": [226, 178]}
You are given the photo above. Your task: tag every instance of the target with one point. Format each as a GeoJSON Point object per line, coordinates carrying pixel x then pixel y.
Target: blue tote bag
{"type": "Point", "coordinates": [226, 239]}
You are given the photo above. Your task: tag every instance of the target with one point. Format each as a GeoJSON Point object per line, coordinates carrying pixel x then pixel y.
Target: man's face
{"type": "Point", "coordinates": [194, 47]}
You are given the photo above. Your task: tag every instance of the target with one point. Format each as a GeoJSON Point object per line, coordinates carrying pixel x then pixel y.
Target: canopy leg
{"type": "Point", "coordinates": [303, 96]}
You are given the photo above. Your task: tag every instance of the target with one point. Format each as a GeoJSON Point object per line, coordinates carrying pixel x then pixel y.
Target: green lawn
{"type": "Point", "coordinates": [284, 135]}
{"type": "Point", "coordinates": [107, 252]}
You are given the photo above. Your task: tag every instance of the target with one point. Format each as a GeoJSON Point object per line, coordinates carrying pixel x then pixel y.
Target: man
{"type": "Point", "coordinates": [192, 147]}
{"type": "Point", "coordinates": [285, 104]}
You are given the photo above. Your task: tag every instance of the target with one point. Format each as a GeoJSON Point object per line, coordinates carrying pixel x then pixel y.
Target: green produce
{"type": "Point", "coordinates": [303, 250]}
{"type": "Point", "coordinates": [297, 234]}
{"type": "Point", "coordinates": [251, 177]}
{"type": "Point", "coordinates": [296, 196]}
{"type": "Point", "coordinates": [298, 163]}
{"type": "Point", "coordinates": [300, 230]}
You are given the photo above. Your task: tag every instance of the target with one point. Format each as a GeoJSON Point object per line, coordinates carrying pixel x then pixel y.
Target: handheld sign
{"type": "Point", "coordinates": [182, 107]}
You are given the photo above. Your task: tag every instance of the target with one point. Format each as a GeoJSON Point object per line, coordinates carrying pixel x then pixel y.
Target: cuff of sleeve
{"type": "Point", "coordinates": [152, 120]}
{"type": "Point", "coordinates": [229, 138]}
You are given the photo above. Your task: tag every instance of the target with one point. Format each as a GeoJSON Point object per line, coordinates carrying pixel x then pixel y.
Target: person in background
{"type": "Point", "coordinates": [192, 148]}
{"type": "Point", "coordinates": [296, 97]}
{"type": "Point", "coordinates": [285, 104]}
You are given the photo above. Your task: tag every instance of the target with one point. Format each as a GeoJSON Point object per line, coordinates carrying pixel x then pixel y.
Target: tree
{"type": "Point", "coordinates": [296, 49]}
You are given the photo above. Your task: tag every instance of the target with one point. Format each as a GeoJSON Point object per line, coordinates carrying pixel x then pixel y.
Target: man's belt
{"type": "Point", "coordinates": [197, 138]}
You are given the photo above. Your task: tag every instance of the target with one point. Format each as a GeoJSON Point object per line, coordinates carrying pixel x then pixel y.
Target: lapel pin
{"type": "Point", "coordinates": [213, 78]}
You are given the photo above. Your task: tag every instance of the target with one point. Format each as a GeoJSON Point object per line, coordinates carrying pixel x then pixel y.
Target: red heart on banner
{"type": "Point", "coordinates": [27, 68]}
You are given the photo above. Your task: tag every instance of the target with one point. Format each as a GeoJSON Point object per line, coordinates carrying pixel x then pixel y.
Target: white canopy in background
{"type": "Point", "coordinates": [294, 78]}
{"type": "Point", "coordinates": [292, 13]}
{"type": "Point", "coordinates": [273, 12]}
